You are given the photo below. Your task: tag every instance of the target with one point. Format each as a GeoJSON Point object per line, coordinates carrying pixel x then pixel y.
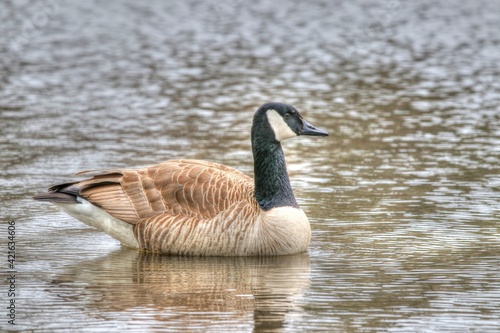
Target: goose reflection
{"type": "Point", "coordinates": [263, 292]}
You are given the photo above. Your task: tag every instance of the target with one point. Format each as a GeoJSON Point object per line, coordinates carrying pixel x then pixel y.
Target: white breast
{"type": "Point", "coordinates": [285, 230]}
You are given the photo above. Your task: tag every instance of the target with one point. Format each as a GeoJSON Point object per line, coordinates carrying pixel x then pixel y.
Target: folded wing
{"type": "Point", "coordinates": [191, 188]}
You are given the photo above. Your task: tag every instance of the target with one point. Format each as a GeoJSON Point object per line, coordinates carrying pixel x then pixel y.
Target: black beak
{"type": "Point", "coordinates": [309, 129]}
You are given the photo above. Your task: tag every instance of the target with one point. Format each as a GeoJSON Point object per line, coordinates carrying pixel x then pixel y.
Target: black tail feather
{"type": "Point", "coordinates": [56, 197]}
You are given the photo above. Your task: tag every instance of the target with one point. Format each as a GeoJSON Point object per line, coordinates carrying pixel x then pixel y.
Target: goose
{"type": "Point", "coordinates": [200, 208]}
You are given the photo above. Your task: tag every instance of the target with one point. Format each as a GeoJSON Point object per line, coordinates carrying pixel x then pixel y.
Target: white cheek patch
{"type": "Point", "coordinates": [281, 129]}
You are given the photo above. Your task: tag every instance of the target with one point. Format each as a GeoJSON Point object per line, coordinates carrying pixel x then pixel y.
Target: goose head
{"type": "Point", "coordinates": [279, 122]}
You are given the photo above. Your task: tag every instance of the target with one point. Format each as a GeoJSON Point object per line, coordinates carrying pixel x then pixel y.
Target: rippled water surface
{"type": "Point", "coordinates": [403, 197]}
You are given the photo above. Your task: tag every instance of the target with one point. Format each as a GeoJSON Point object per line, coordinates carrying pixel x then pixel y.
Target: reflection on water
{"type": "Point", "coordinates": [186, 293]}
{"type": "Point", "coordinates": [403, 197]}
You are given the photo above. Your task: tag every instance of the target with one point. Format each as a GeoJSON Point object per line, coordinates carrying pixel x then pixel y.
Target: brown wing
{"type": "Point", "coordinates": [191, 188]}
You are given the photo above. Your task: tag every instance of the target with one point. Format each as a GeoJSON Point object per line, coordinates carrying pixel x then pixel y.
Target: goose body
{"type": "Point", "coordinates": [193, 207]}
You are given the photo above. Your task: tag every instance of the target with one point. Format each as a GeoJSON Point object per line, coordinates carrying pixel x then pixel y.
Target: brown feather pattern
{"type": "Point", "coordinates": [179, 206]}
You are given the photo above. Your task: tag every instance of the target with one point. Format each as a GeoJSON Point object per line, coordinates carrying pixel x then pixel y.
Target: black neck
{"type": "Point", "coordinates": [272, 185]}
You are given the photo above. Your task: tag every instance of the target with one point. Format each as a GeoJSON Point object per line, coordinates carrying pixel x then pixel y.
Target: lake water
{"type": "Point", "coordinates": [403, 197]}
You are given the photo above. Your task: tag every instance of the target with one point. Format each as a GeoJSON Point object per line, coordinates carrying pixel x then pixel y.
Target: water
{"type": "Point", "coordinates": [403, 197]}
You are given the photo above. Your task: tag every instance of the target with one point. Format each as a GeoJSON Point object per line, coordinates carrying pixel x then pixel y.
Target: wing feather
{"type": "Point", "coordinates": [192, 188]}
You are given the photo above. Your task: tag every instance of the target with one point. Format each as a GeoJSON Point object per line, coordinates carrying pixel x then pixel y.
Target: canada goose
{"type": "Point", "coordinates": [193, 207]}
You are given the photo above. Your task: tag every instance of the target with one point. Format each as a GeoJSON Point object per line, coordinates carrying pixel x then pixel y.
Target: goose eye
{"type": "Point", "coordinates": [287, 115]}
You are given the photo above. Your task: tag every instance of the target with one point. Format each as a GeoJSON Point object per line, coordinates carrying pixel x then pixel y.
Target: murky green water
{"type": "Point", "coordinates": [403, 197]}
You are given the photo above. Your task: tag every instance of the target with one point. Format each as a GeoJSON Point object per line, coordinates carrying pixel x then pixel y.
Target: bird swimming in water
{"type": "Point", "coordinates": [194, 207]}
